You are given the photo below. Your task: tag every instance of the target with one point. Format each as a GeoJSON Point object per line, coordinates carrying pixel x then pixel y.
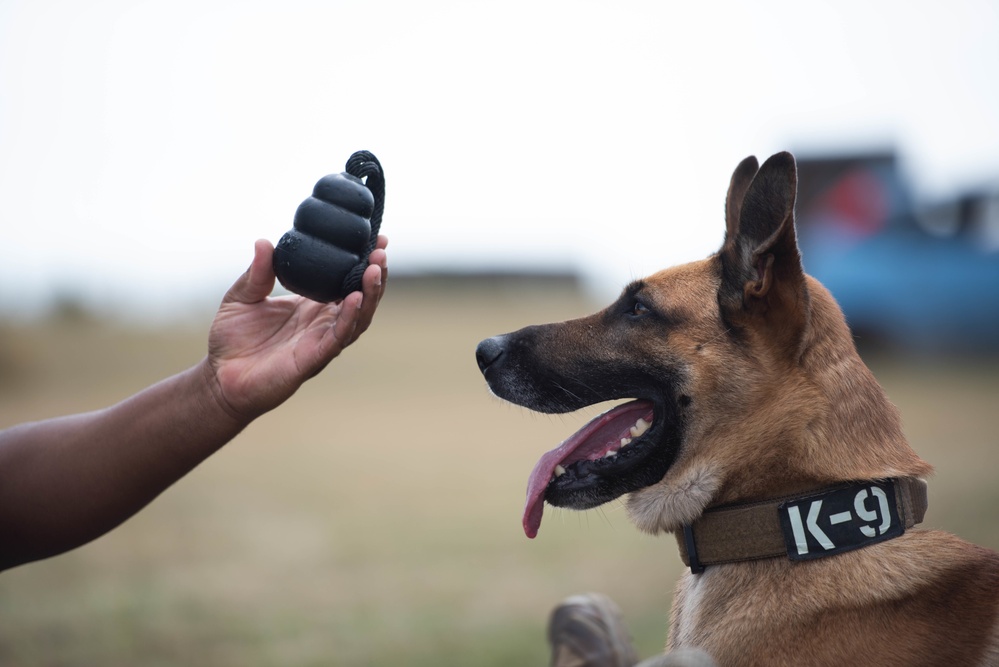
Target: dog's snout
{"type": "Point", "coordinates": [488, 351]}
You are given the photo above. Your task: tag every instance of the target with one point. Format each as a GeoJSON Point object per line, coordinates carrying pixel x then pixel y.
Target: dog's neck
{"type": "Point", "coordinates": [808, 423]}
{"type": "Point", "coordinates": [804, 527]}
{"type": "Point", "coordinates": [858, 432]}
{"type": "Point", "coordinates": [825, 416]}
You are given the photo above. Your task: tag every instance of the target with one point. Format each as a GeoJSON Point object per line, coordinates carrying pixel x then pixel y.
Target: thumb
{"type": "Point", "coordinates": [258, 281]}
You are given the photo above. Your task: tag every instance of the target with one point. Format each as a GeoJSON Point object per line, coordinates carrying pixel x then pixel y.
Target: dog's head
{"type": "Point", "coordinates": [740, 377]}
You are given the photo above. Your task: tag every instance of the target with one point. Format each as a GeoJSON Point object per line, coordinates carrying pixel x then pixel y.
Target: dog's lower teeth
{"type": "Point", "coordinates": [625, 441]}
{"type": "Point", "coordinates": [559, 471]}
{"type": "Point", "coordinates": [610, 454]}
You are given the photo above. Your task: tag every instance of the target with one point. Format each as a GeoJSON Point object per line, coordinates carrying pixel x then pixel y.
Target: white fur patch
{"type": "Point", "coordinates": [676, 500]}
{"type": "Point", "coordinates": [689, 614]}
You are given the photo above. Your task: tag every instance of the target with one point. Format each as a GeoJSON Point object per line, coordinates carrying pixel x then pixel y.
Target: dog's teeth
{"type": "Point", "coordinates": [610, 454]}
{"type": "Point", "coordinates": [640, 427]}
{"type": "Point", "coordinates": [559, 471]}
{"type": "Point", "coordinates": [626, 441]}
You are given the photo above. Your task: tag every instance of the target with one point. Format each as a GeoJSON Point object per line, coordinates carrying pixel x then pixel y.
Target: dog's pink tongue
{"type": "Point", "coordinates": [538, 482]}
{"type": "Point", "coordinates": [592, 441]}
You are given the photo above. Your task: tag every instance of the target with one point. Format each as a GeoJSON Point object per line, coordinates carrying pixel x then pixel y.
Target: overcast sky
{"type": "Point", "coordinates": [145, 145]}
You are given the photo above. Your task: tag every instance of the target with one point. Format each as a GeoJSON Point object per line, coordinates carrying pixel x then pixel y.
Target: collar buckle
{"type": "Point", "coordinates": [688, 538]}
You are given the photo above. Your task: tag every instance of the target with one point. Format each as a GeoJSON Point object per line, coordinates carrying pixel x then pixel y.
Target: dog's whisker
{"type": "Point", "coordinates": [718, 335]}
{"type": "Point", "coordinates": [602, 513]}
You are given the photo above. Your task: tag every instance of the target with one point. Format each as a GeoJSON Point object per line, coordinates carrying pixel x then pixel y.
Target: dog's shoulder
{"type": "Point", "coordinates": [931, 592]}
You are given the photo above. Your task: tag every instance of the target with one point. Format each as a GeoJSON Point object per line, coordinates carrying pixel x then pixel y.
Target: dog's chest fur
{"type": "Point", "coordinates": [924, 590]}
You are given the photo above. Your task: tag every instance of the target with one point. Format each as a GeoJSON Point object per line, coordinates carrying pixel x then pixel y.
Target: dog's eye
{"type": "Point", "coordinates": [638, 309]}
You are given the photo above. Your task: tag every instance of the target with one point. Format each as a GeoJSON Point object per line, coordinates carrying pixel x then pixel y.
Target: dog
{"type": "Point", "coordinates": [754, 433]}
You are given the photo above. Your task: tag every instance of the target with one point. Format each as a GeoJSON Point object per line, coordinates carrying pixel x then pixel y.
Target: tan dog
{"type": "Point", "coordinates": [758, 437]}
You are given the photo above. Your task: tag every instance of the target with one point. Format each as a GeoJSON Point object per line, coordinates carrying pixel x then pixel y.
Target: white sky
{"type": "Point", "coordinates": [145, 145]}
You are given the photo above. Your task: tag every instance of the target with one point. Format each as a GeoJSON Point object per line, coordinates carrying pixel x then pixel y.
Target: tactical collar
{"type": "Point", "coordinates": [814, 525]}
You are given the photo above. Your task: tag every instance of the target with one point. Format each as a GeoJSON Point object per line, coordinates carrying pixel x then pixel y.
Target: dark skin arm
{"type": "Point", "coordinates": [68, 480]}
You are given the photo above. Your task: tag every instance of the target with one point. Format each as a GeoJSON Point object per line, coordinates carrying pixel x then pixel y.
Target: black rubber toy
{"type": "Point", "coordinates": [324, 256]}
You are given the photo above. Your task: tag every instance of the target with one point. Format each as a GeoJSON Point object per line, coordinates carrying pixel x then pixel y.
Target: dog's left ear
{"type": "Point", "coordinates": [762, 276]}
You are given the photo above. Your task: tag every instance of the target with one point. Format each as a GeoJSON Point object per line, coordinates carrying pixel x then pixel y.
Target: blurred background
{"type": "Point", "coordinates": [538, 156]}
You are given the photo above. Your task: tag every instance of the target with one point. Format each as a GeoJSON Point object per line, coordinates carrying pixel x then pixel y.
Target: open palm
{"type": "Point", "coordinates": [262, 348]}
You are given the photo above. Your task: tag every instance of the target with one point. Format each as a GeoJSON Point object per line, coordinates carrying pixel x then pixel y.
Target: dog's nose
{"type": "Point", "coordinates": [488, 351]}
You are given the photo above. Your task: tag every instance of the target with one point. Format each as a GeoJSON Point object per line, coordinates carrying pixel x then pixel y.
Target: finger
{"type": "Point", "coordinates": [344, 329]}
{"type": "Point", "coordinates": [379, 258]}
{"type": "Point", "coordinates": [258, 281]}
{"type": "Point", "coordinates": [339, 334]}
{"type": "Point", "coordinates": [373, 287]}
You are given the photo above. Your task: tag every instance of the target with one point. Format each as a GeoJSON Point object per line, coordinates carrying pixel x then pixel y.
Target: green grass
{"type": "Point", "coordinates": [375, 518]}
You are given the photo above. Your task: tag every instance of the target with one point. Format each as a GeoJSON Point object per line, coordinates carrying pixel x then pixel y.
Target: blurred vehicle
{"type": "Point", "coordinates": [919, 277]}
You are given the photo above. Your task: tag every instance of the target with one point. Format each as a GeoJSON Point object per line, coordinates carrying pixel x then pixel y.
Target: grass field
{"type": "Point", "coordinates": [375, 518]}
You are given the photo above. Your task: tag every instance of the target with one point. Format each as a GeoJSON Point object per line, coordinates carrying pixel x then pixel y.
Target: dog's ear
{"type": "Point", "coordinates": [741, 178]}
{"type": "Point", "coordinates": [762, 274]}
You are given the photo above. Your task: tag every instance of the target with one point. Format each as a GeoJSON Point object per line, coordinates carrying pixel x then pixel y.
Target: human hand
{"type": "Point", "coordinates": [261, 349]}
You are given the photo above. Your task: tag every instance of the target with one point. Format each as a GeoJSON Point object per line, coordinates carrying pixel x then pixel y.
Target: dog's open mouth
{"type": "Point", "coordinates": [621, 450]}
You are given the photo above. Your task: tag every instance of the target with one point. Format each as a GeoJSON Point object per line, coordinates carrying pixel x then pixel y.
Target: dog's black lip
{"type": "Point", "coordinates": [587, 484]}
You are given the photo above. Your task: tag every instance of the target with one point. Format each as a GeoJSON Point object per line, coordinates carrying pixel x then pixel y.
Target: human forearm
{"type": "Point", "coordinates": [66, 481]}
